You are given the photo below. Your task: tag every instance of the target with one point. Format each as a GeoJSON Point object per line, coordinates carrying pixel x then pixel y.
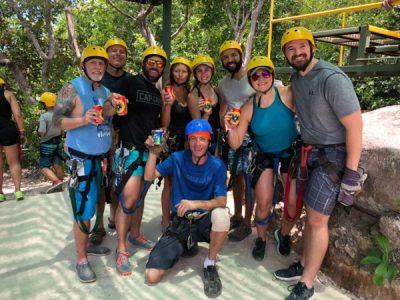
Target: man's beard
{"type": "Point", "coordinates": [151, 78]}
{"type": "Point", "coordinates": [302, 66]}
{"type": "Point", "coordinates": [234, 69]}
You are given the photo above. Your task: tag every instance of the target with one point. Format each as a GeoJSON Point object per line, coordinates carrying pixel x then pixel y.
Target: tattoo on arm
{"type": "Point", "coordinates": [65, 103]}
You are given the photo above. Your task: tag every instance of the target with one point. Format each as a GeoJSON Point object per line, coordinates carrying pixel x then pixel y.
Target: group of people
{"type": "Point", "coordinates": [122, 132]}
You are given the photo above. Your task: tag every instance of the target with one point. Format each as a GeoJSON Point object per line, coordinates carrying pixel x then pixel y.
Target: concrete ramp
{"type": "Point", "coordinates": [37, 260]}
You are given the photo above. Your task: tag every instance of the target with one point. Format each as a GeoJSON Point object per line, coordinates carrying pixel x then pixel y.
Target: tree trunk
{"type": "Point", "coordinates": [254, 17]}
{"type": "Point", "coordinates": [73, 43]}
{"type": "Point", "coordinates": [18, 76]}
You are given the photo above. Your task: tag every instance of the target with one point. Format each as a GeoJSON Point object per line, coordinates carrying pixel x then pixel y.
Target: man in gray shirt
{"type": "Point", "coordinates": [331, 128]}
{"type": "Point", "coordinates": [235, 90]}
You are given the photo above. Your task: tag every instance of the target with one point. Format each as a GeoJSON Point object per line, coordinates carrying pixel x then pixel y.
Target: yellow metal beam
{"type": "Point", "coordinates": [385, 32]}
{"type": "Point", "coordinates": [335, 11]}
{"type": "Point", "coordinates": [271, 17]}
{"type": "Point", "coordinates": [342, 47]}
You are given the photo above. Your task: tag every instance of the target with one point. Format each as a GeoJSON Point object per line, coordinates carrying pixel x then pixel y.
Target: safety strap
{"type": "Point", "coordinates": [305, 151]}
{"type": "Point", "coordinates": [329, 168]}
{"type": "Point", "coordinates": [132, 167]}
{"type": "Point", "coordinates": [81, 224]}
{"type": "Point", "coordinates": [235, 162]}
{"type": "Point", "coordinates": [138, 203]}
{"type": "Point", "coordinates": [88, 180]}
{"type": "Point", "coordinates": [267, 219]}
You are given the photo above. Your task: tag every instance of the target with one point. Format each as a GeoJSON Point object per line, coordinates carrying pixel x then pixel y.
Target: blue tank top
{"type": "Point", "coordinates": [90, 139]}
{"type": "Point", "coordinates": [274, 126]}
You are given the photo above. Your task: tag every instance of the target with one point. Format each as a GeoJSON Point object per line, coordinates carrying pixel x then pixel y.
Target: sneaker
{"type": "Point", "coordinates": [282, 243]}
{"type": "Point", "coordinates": [191, 252]}
{"type": "Point", "coordinates": [85, 272]}
{"type": "Point", "coordinates": [19, 195]}
{"type": "Point", "coordinates": [141, 242]}
{"type": "Point", "coordinates": [111, 224]}
{"type": "Point", "coordinates": [97, 250]}
{"type": "Point", "coordinates": [235, 222]}
{"type": "Point", "coordinates": [259, 249]}
{"type": "Point", "coordinates": [239, 233]}
{"type": "Point", "coordinates": [2, 197]}
{"type": "Point", "coordinates": [294, 272]}
{"type": "Point", "coordinates": [300, 292]}
{"type": "Point", "coordinates": [122, 263]}
{"type": "Point", "coordinates": [96, 238]}
{"type": "Point", "coordinates": [212, 283]}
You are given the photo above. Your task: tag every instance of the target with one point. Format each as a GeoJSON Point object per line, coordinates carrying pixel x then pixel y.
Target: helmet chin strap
{"type": "Point", "coordinates": [116, 68]}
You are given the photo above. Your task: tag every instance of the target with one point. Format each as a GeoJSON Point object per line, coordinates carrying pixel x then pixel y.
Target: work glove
{"type": "Point", "coordinates": [350, 186]}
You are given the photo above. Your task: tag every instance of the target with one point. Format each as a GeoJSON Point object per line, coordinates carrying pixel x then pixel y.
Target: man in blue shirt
{"type": "Point", "coordinates": [198, 205]}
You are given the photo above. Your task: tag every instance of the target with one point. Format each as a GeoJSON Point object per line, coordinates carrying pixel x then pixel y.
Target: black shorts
{"type": "Point", "coordinates": [265, 161]}
{"type": "Point", "coordinates": [173, 243]}
{"type": "Point", "coordinates": [9, 135]}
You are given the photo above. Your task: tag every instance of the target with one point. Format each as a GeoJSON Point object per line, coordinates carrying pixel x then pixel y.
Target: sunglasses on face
{"type": "Point", "coordinates": [264, 74]}
{"type": "Point", "coordinates": [152, 62]}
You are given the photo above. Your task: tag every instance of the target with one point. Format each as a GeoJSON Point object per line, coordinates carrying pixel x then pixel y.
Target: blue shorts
{"type": "Point", "coordinates": [170, 248]}
{"type": "Point", "coordinates": [50, 154]}
{"type": "Point", "coordinates": [320, 192]}
{"type": "Point", "coordinates": [132, 156]}
{"type": "Point", "coordinates": [94, 191]}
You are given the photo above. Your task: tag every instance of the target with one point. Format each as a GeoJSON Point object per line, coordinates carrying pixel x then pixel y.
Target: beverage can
{"type": "Point", "coordinates": [99, 118]}
{"type": "Point", "coordinates": [157, 136]}
{"type": "Point", "coordinates": [169, 89]}
{"type": "Point", "coordinates": [207, 106]}
{"type": "Point", "coordinates": [235, 117]}
{"type": "Point", "coordinates": [122, 107]}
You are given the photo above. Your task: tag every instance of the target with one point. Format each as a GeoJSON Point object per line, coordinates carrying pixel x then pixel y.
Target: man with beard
{"type": "Point", "coordinates": [331, 128]}
{"type": "Point", "coordinates": [117, 51]}
{"type": "Point", "coordinates": [234, 90]}
{"type": "Point", "coordinates": [144, 110]}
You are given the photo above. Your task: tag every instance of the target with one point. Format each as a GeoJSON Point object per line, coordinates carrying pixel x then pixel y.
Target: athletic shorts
{"type": "Point", "coordinates": [320, 192]}
{"type": "Point", "coordinates": [169, 248]}
{"type": "Point", "coordinates": [50, 154]}
{"type": "Point", "coordinates": [9, 135]}
{"type": "Point", "coordinates": [266, 162]}
{"type": "Point", "coordinates": [133, 155]}
{"type": "Point", "coordinates": [94, 190]}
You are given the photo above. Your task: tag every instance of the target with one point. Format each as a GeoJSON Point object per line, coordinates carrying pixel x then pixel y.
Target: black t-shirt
{"type": "Point", "coordinates": [5, 110]}
{"type": "Point", "coordinates": [144, 109]}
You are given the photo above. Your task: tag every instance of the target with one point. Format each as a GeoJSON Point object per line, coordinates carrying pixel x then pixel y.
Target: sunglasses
{"type": "Point", "coordinates": [264, 74]}
{"type": "Point", "coordinates": [152, 62]}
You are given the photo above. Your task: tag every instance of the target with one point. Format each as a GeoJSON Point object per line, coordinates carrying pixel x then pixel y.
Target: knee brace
{"type": "Point", "coordinates": [219, 220]}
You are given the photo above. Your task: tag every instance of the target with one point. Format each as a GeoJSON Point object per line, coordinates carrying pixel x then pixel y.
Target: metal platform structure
{"type": "Point", "coordinates": [374, 51]}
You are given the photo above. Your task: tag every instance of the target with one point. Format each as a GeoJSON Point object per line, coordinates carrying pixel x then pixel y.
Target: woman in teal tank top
{"type": "Point", "coordinates": [269, 114]}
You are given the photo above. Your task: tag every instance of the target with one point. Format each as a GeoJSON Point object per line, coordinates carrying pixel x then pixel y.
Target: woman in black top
{"type": "Point", "coordinates": [203, 68]}
{"type": "Point", "coordinates": [11, 134]}
{"type": "Point", "coordinates": [175, 117]}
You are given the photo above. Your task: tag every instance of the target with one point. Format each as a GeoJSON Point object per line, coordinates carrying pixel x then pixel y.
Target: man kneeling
{"type": "Point", "coordinates": [198, 205]}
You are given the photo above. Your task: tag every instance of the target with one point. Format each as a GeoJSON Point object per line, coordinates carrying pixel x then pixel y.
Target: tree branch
{"type": "Point", "coordinates": [71, 32]}
{"type": "Point", "coordinates": [185, 20]}
{"type": "Point", "coordinates": [258, 4]}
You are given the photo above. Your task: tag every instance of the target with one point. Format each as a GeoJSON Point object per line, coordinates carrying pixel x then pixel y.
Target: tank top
{"type": "Point", "coordinates": [180, 116]}
{"type": "Point", "coordinates": [274, 126]}
{"type": "Point", "coordinates": [90, 139]}
{"type": "Point", "coordinates": [213, 119]}
{"type": "Point", "coordinates": [5, 110]}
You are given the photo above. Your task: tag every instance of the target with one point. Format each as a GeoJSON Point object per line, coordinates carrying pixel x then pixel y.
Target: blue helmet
{"type": "Point", "coordinates": [198, 125]}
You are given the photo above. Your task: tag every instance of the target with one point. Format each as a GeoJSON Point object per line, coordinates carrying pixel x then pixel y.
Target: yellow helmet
{"type": "Point", "coordinates": [181, 60]}
{"type": "Point", "coordinates": [297, 33]}
{"type": "Point", "coordinates": [115, 41]}
{"type": "Point", "coordinates": [49, 99]}
{"type": "Point", "coordinates": [231, 44]}
{"type": "Point", "coordinates": [154, 50]}
{"type": "Point", "coordinates": [203, 59]}
{"type": "Point", "coordinates": [94, 51]}
{"type": "Point", "coordinates": [260, 61]}
{"type": "Point", "coordinates": [2, 81]}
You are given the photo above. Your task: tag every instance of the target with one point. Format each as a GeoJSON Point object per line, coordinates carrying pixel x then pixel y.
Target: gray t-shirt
{"type": "Point", "coordinates": [322, 98]}
{"type": "Point", "coordinates": [235, 92]}
{"type": "Point", "coordinates": [46, 125]}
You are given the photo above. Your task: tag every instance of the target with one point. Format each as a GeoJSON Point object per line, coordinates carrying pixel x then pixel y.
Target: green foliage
{"type": "Point", "coordinates": [384, 268]}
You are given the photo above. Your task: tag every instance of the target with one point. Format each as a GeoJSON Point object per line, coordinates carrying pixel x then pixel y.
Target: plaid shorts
{"type": "Point", "coordinates": [320, 192]}
{"type": "Point", "coordinates": [243, 157]}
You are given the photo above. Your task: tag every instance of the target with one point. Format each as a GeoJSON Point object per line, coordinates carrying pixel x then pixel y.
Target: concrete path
{"type": "Point", "coordinates": [37, 260]}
